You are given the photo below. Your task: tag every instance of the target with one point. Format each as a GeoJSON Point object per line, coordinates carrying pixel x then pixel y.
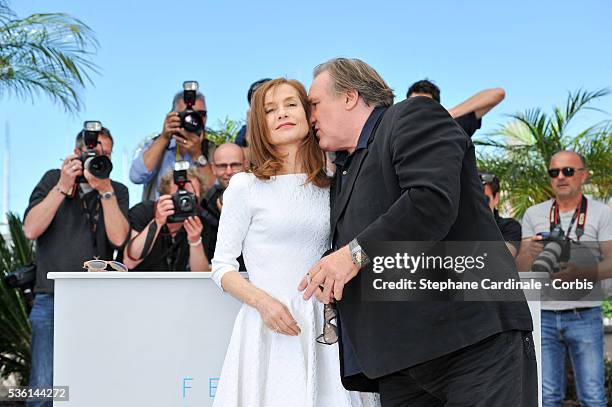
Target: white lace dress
{"type": "Point", "coordinates": [281, 226]}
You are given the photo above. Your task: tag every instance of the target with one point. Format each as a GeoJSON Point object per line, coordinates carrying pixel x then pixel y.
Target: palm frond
{"type": "Point", "coordinates": [520, 150]}
{"type": "Point", "coordinates": [45, 53]}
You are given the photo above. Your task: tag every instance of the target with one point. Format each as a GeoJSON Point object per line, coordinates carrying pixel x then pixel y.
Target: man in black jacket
{"type": "Point", "coordinates": [408, 173]}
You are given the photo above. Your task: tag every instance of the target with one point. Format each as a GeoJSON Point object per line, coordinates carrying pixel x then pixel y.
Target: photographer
{"type": "Point", "coordinates": [160, 244]}
{"type": "Point", "coordinates": [468, 114]}
{"type": "Point", "coordinates": [158, 155]}
{"type": "Point", "coordinates": [73, 216]}
{"type": "Point", "coordinates": [228, 160]}
{"type": "Point", "coordinates": [509, 227]}
{"type": "Point", "coordinates": [570, 326]}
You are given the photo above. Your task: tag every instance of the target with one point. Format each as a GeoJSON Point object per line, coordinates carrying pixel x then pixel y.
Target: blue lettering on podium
{"type": "Point", "coordinates": [212, 386]}
{"type": "Point", "coordinates": [186, 386]}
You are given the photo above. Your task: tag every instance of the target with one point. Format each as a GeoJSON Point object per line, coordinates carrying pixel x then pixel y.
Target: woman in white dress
{"type": "Point", "coordinates": [277, 216]}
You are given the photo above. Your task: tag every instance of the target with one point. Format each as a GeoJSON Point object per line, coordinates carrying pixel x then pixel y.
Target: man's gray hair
{"type": "Point", "coordinates": [354, 74]}
{"type": "Point", "coordinates": [179, 97]}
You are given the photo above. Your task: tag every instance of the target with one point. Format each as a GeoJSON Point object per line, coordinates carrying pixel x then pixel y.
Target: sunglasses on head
{"type": "Point", "coordinates": [101, 265]}
{"type": "Point", "coordinates": [567, 171]}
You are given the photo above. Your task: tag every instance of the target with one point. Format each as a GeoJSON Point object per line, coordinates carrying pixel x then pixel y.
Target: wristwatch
{"type": "Point", "coordinates": [359, 257]}
{"type": "Point", "coordinates": [107, 195]}
{"type": "Point", "coordinates": [201, 161]}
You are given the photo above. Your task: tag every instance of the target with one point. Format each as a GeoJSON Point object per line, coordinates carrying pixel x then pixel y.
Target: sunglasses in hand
{"type": "Point", "coordinates": [330, 331]}
{"type": "Point", "coordinates": [96, 265]}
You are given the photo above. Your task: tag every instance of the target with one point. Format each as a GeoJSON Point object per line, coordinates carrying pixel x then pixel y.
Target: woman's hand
{"type": "Point", "coordinates": [276, 316]}
{"type": "Point", "coordinates": [163, 209]}
{"type": "Point", "coordinates": [193, 226]}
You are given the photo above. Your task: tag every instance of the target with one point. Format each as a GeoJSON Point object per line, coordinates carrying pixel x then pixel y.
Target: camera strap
{"type": "Point", "coordinates": [93, 216]}
{"type": "Point", "coordinates": [580, 213]}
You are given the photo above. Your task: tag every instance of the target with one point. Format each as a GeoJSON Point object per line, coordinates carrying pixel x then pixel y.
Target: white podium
{"type": "Point", "coordinates": [149, 339]}
{"type": "Point", "coordinates": [140, 339]}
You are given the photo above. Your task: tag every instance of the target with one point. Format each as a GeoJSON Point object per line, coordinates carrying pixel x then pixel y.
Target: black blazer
{"type": "Point", "coordinates": [416, 181]}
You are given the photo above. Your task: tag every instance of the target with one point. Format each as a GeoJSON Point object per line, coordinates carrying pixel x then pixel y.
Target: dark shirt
{"type": "Point", "coordinates": [241, 139]}
{"type": "Point", "coordinates": [469, 123]}
{"type": "Point", "coordinates": [510, 230]}
{"type": "Point", "coordinates": [69, 239]}
{"type": "Point", "coordinates": [343, 158]}
{"type": "Point", "coordinates": [166, 253]}
{"type": "Point", "coordinates": [343, 163]}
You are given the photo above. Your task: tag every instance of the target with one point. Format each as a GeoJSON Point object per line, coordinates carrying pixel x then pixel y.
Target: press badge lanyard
{"type": "Point", "coordinates": [580, 212]}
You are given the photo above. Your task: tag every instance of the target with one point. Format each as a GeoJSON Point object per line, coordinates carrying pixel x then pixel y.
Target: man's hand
{"type": "Point", "coordinates": [100, 185]}
{"type": "Point", "coordinates": [533, 247]}
{"type": "Point", "coordinates": [189, 142]}
{"type": "Point", "coordinates": [219, 205]}
{"type": "Point", "coordinates": [163, 209]}
{"type": "Point", "coordinates": [332, 272]}
{"type": "Point", "coordinates": [193, 226]}
{"type": "Point", "coordinates": [172, 125]}
{"type": "Point", "coordinates": [71, 168]}
{"type": "Point", "coordinates": [571, 272]}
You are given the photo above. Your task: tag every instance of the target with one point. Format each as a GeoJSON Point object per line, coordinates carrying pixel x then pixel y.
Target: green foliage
{"type": "Point", "coordinates": [607, 309]}
{"type": "Point", "coordinates": [45, 53]}
{"type": "Point", "coordinates": [15, 329]}
{"type": "Point", "coordinates": [519, 151]}
{"type": "Point", "coordinates": [225, 132]}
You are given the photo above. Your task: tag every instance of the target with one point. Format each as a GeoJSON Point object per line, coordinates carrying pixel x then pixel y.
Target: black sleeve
{"type": "Point", "coordinates": [469, 123]}
{"type": "Point", "coordinates": [427, 150]}
{"type": "Point", "coordinates": [47, 182]}
{"type": "Point", "coordinates": [141, 214]}
{"type": "Point", "coordinates": [511, 231]}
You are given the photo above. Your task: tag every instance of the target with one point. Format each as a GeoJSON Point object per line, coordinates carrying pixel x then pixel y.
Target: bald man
{"type": "Point", "coordinates": [571, 327]}
{"type": "Point", "coordinates": [228, 160]}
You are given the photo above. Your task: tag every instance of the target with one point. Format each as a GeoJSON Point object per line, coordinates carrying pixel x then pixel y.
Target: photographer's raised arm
{"type": "Point", "coordinates": [155, 152]}
{"type": "Point", "coordinates": [114, 209]}
{"type": "Point", "coordinates": [480, 103]}
{"type": "Point", "coordinates": [48, 196]}
{"type": "Point", "coordinates": [197, 257]}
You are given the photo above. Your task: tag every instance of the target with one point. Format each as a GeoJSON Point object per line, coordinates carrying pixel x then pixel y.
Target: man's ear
{"type": "Point", "coordinates": [351, 99]}
{"type": "Point", "coordinates": [495, 200]}
{"type": "Point", "coordinates": [77, 151]}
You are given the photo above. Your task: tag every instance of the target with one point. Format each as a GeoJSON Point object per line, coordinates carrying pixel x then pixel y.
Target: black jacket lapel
{"type": "Point", "coordinates": [341, 198]}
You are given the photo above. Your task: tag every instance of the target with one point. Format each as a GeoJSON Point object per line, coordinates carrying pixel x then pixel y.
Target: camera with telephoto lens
{"type": "Point", "coordinates": [557, 248]}
{"type": "Point", "coordinates": [185, 202]}
{"type": "Point", "coordinates": [191, 120]}
{"type": "Point", "coordinates": [100, 166]}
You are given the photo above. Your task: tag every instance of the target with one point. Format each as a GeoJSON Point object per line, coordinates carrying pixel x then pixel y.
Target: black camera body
{"type": "Point", "coordinates": [210, 200]}
{"type": "Point", "coordinates": [185, 202]}
{"type": "Point", "coordinates": [557, 248]}
{"type": "Point", "coordinates": [100, 166]}
{"type": "Point", "coordinates": [190, 119]}
{"type": "Point", "coordinates": [24, 277]}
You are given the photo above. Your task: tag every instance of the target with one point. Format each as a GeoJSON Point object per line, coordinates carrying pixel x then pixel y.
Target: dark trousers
{"type": "Point", "coordinates": [496, 372]}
